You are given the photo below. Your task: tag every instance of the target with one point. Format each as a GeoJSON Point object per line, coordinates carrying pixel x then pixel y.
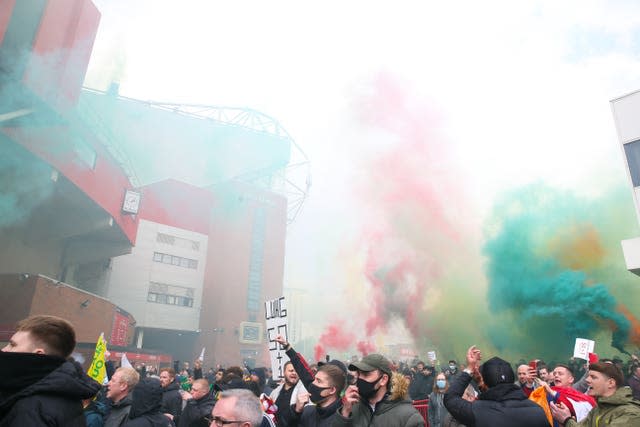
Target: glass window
{"type": "Point", "coordinates": [632, 151]}
{"type": "Point", "coordinates": [157, 257]}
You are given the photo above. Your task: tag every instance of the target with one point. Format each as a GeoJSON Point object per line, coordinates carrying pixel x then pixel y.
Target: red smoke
{"type": "Point", "coordinates": [413, 197]}
{"type": "Point", "coordinates": [335, 337]}
{"type": "Point", "coordinates": [365, 347]}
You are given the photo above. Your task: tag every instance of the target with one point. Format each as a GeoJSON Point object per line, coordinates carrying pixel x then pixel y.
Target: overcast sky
{"type": "Point", "coordinates": [513, 92]}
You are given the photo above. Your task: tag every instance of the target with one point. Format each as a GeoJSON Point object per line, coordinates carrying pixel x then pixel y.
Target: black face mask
{"type": "Point", "coordinates": [314, 393]}
{"type": "Point", "coordinates": [367, 389]}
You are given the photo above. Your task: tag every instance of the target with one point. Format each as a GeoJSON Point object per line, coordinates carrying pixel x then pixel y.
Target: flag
{"type": "Point", "coordinates": [124, 361]}
{"type": "Point", "coordinates": [539, 396]}
{"type": "Point", "coordinates": [98, 370]}
{"type": "Point", "coordinates": [579, 403]}
{"type": "Point", "coordinates": [201, 357]}
{"type": "Point", "coordinates": [593, 358]}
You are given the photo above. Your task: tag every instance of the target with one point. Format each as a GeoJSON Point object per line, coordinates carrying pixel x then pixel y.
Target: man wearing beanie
{"type": "Point", "coordinates": [616, 406]}
{"type": "Point", "coordinates": [502, 404]}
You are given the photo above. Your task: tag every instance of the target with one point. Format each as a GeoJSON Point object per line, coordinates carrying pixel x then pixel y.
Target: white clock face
{"type": "Point", "coordinates": [131, 202]}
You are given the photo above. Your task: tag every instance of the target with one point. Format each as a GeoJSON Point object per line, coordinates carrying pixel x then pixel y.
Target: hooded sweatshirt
{"type": "Point", "coordinates": [618, 410]}
{"type": "Point", "coordinates": [172, 401]}
{"type": "Point", "coordinates": [41, 390]}
{"type": "Point", "coordinates": [146, 402]}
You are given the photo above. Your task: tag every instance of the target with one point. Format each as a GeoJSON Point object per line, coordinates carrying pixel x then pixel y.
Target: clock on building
{"type": "Point", "coordinates": [131, 202]}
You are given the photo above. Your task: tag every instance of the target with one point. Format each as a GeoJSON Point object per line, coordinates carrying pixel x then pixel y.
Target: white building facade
{"type": "Point", "coordinates": [160, 283]}
{"type": "Point", "coordinates": [626, 114]}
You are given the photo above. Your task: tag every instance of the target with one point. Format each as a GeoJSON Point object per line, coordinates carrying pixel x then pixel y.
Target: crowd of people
{"type": "Point", "coordinates": [42, 386]}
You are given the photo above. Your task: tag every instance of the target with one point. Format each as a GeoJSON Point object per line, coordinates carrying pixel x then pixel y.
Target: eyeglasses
{"type": "Point", "coordinates": [217, 421]}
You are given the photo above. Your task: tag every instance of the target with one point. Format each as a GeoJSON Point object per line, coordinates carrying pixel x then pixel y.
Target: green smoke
{"type": "Point", "coordinates": [549, 303]}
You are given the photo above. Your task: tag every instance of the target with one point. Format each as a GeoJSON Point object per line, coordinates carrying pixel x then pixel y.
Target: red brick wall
{"type": "Point", "coordinates": [41, 295]}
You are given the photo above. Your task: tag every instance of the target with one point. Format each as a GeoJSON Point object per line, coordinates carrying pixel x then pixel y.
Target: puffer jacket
{"type": "Point", "coordinates": [40, 390]}
{"type": "Point", "coordinates": [504, 405]}
{"type": "Point", "coordinates": [619, 410]}
{"type": "Point", "coordinates": [394, 410]}
{"type": "Point", "coordinates": [145, 406]}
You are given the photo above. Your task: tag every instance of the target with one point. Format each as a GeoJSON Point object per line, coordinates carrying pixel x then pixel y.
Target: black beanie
{"type": "Point", "coordinates": [497, 371]}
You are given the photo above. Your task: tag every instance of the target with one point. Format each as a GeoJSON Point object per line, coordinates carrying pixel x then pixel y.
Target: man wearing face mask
{"type": "Point", "coordinates": [324, 393]}
{"type": "Point", "coordinates": [379, 398]}
{"type": "Point", "coordinates": [452, 370]}
{"type": "Point", "coordinates": [324, 389]}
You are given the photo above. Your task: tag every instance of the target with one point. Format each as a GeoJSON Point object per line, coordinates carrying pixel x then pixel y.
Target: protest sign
{"type": "Point", "coordinates": [276, 318]}
{"type": "Point", "coordinates": [583, 347]}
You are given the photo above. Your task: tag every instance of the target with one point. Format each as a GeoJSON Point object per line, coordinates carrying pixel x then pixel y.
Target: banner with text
{"type": "Point", "coordinates": [275, 312]}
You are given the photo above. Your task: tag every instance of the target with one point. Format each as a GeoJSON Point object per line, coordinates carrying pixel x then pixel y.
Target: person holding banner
{"type": "Point", "coordinates": [616, 406]}
{"type": "Point", "coordinates": [39, 386]}
{"type": "Point", "coordinates": [562, 392]}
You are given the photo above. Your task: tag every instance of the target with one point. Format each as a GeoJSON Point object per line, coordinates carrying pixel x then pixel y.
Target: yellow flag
{"type": "Point", "coordinates": [97, 370]}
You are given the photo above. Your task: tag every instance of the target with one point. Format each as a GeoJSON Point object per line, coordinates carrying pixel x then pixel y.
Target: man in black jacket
{"type": "Point", "coordinates": [199, 405]}
{"type": "Point", "coordinates": [171, 397]}
{"type": "Point", "coordinates": [146, 402]}
{"type": "Point", "coordinates": [38, 387]}
{"type": "Point", "coordinates": [422, 383]}
{"type": "Point", "coordinates": [502, 404]}
{"type": "Point", "coordinates": [324, 389]}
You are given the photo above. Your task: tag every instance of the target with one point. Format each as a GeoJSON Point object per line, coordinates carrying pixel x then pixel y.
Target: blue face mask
{"type": "Point", "coordinates": [441, 383]}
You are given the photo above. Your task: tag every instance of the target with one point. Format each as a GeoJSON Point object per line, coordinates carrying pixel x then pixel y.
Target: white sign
{"type": "Point", "coordinates": [275, 312]}
{"type": "Point", "coordinates": [431, 355]}
{"type": "Point", "coordinates": [583, 347]}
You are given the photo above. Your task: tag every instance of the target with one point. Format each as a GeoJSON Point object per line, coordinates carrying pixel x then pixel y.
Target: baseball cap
{"type": "Point", "coordinates": [371, 362]}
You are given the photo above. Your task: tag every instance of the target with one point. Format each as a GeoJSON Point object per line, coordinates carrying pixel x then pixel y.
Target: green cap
{"type": "Point", "coordinates": [371, 362]}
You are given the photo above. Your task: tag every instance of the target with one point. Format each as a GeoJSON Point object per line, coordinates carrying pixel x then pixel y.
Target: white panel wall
{"type": "Point", "coordinates": [132, 274]}
{"type": "Point", "coordinates": [626, 112]}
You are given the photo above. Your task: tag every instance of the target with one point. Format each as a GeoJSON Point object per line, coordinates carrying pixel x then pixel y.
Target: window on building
{"type": "Point", "coordinates": [175, 260]}
{"type": "Point", "coordinates": [162, 293]}
{"type": "Point", "coordinates": [254, 285]}
{"type": "Point", "coordinates": [632, 152]}
{"type": "Point", "coordinates": [178, 242]}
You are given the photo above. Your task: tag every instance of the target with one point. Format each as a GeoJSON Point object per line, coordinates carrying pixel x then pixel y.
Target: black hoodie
{"type": "Point", "coordinates": [172, 401]}
{"type": "Point", "coordinates": [41, 390]}
{"type": "Point", "coordinates": [145, 405]}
